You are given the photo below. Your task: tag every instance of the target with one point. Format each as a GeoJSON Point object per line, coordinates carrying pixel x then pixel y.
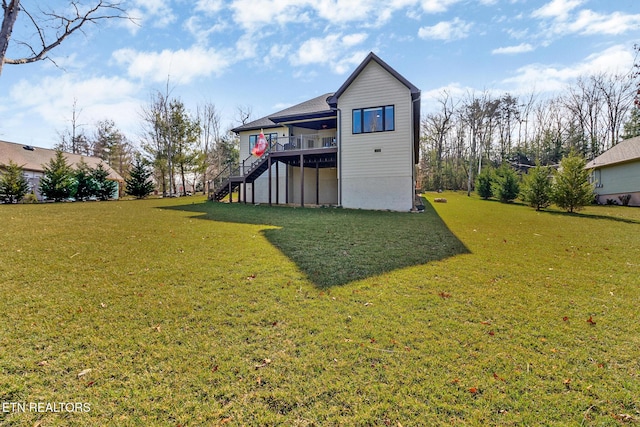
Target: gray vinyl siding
{"type": "Point", "coordinates": [621, 178]}
{"type": "Point", "coordinates": [374, 87]}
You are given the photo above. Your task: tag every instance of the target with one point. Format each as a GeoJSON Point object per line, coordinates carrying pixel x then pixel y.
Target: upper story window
{"type": "Point", "coordinates": [376, 119]}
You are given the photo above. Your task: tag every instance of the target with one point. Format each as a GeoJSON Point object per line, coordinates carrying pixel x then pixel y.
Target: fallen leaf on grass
{"type": "Point", "coordinates": [444, 295]}
{"type": "Point", "coordinates": [565, 318]}
{"type": "Point", "coordinates": [43, 363]}
{"type": "Point", "coordinates": [624, 418]}
{"type": "Point", "coordinates": [473, 390]}
{"type": "Point", "coordinates": [226, 420]}
{"type": "Point", "coordinates": [591, 321]}
{"type": "Point", "coordinates": [497, 377]}
{"type": "Point", "coordinates": [250, 278]}
{"type": "Point", "coordinates": [264, 364]}
{"type": "Point", "coordinates": [84, 372]}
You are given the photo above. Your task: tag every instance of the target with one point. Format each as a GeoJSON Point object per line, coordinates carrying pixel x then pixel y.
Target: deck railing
{"type": "Point", "coordinates": [279, 144]}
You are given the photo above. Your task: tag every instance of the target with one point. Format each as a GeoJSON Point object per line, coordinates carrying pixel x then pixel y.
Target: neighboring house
{"type": "Point", "coordinates": [357, 147]}
{"type": "Point", "coordinates": [616, 172]}
{"type": "Point", "coordinates": [32, 159]}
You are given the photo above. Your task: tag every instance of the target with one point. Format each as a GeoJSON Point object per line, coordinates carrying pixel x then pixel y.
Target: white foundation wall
{"type": "Point", "coordinates": [388, 193]}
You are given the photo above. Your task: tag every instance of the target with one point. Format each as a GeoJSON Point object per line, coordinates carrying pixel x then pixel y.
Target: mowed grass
{"type": "Point", "coordinates": [210, 314]}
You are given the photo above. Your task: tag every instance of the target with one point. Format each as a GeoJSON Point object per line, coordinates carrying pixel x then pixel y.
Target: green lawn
{"type": "Point", "coordinates": [189, 313]}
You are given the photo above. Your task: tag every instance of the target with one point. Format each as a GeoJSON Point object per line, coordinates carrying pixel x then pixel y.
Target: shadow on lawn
{"type": "Point", "coordinates": [337, 246]}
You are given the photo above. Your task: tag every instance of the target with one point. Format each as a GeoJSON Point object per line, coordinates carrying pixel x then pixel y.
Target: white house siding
{"type": "Point", "coordinates": [617, 180]}
{"type": "Point", "coordinates": [371, 179]}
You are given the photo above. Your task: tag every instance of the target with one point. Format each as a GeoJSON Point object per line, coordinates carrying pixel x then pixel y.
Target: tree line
{"type": "Point", "coordinates": [464, 136]}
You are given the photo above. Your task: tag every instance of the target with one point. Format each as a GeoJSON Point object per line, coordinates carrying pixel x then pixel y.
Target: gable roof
{"type": "Point", "coordinates": [625, 151]}
{"type": "Point", "coordinates": [313, 108]}
{"type": "Point", "coordinates": [415, 92]}
{"type": "Point", "coordinates": [33, 158]}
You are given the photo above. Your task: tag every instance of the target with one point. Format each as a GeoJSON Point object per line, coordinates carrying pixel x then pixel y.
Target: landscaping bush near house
{"type": "Point", "coordinates": [163, 312]}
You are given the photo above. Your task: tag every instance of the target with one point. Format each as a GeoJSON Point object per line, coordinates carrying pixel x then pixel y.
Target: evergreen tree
{"type": "Point", "coordinates": [506, 186]}
{"type": "Point", "coordinates": [13, 184]}
{"type": "Point", "coordinates": [86, 186]}
{"type": "Point", "coordinates": [106, 188]}
{"type": "Point", "coordinates": [138, 184]}
{"type": "Point", "coordinates": [632, 126]}
{"type": "Point", "coordinates": [484, 183]}
{"type": "Point", "coordinates": [571, 187]}
{"type": "Point", "coordinates": [536, 190]}
{"type": "Point", "coordinates": [58, 182]}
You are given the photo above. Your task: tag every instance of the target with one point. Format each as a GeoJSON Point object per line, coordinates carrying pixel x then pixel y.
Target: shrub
{"type": "Point", "coordinates": [13, 184]}
{"type": "Point", "coordinates": [58, 182]}
{"type": "Point", "coordinates": [484, 183]}
{"type": "Point", "coordinates": [506, 186]}
{"type": "Point", "coordinates": [571, 187]}
{"type": "Point", "coordinates": [625, 199]}
{"type": "Point", "coordinates": [536, 189]}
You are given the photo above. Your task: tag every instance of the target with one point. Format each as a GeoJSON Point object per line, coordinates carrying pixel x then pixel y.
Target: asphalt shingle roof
{"type": "Point", "coordinates": [316, 105]}
{"type": "Point", "coordinates": [624, 151]}
{"type": "Point", "coordinates": [33, 159]}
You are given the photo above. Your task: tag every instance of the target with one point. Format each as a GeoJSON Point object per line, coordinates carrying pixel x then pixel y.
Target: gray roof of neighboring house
{"type": "Point", "coordinates": [33, 158]}
{"type": "Point", "coordinates": [317, 105]}
{"type": "Point", "coordinates": [624, 151]}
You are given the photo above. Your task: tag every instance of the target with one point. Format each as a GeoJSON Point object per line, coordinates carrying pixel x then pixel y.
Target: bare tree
{"type": "Point", "coordinates": [210, 126]}
{"type": "Point", "coordinates": [74, 140]}
{"type": "Point", "coordinates": [50, 28]}
{"type": "Point", "coordinates": [435, 128]}
{"type": "Point", "coordinates": [243, 114]}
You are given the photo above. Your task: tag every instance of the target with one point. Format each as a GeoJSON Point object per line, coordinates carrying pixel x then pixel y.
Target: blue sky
{"type": "Point", "coordinates": [270, 54]}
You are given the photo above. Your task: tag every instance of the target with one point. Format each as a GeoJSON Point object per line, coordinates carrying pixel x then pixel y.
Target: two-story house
{"type": "Point", "coordinates": [355, 148]}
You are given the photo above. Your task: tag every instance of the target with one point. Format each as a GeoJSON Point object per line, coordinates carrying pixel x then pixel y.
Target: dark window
{"type": "Point", "coordinates": [376, 119]}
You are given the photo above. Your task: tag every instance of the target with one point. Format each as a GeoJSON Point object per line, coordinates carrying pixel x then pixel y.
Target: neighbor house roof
{"type": "Point", "coordinates": [313, 108]}
{"type": "Point", "coordinates": [624, 151]}
{"type": "Point", "coordinates": [33, 158]}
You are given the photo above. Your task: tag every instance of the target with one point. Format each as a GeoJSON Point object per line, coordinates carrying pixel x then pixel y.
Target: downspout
{"type": "Point", "coordinates": [339, 142]}
{"type": "Point", "coordinates": [413, 153]}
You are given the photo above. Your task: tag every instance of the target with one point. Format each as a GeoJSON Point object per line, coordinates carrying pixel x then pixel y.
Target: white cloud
{"type": "Point", "coordinates": [210, 7]}
{"type": "Point", "coordinates": [589, 23]}
{"type": "Point", "coordinates": [511, 50]}
{"type": "Point", "coordinates": [557, 9]}
{"type": "Point", "coordinates": [333, 50]}
{"type": "Point", "coordinates": [156, 12]}
{"type": "Point", "coordinates": [436, 6]}
{"type": "Point", "coordinates": [446, 30]}
{"type": "Point", "coordinates": [50, 101]}
{"type": "Point", "coordinates": [550, 78]}
{"type": "Point", "coordinates": [180, 66]}
{"type": "Point", "coordinates": [253, 14]}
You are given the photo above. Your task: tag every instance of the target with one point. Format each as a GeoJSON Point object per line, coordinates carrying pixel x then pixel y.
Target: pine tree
{"type": "Point", "coordinates": [13, 184]}
{"type": "Point", "coordinates": [106, 188]}
{"type": "Point", "coordinates": [571, 187]}
{"type": "Point", "coordinates": [86, 186]}
{"type": "Point", "coordinates": [58, 182]}
{"type": "Point", "coordinates": [506, 186]}
{"type": "Point", "coordinates": [138, 183]}
{"type": "Point", "coordinates": [536, 189]}
{"type": "Point", "coordinates": [484, 183]}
